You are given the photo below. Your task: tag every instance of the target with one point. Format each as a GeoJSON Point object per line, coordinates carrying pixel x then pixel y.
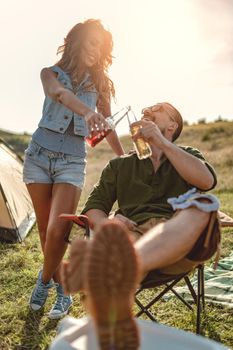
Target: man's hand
{"type": "Point", "coordinates": [151, 133]}
{"type": "Point", "coordinates": [131, 225]}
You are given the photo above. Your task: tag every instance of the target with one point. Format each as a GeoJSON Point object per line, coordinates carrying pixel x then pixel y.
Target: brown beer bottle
{"type": "Point", "coordinates": [142, 147]}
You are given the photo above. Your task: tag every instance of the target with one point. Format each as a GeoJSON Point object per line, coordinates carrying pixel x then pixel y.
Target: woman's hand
{"type": "Point", "coordinates": [95, 122]}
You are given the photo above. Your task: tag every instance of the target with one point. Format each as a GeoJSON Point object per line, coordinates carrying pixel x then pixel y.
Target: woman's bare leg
{"type": "Point", "coordinates": [65, 199]}
{"type": "Point", "coordinates": [41, 195]}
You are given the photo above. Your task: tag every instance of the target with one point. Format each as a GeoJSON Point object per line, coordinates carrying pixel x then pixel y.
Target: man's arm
{"type": "Point", "coordinates": [96, 217]}
{"type": "Point", "coordinates": [192, 169]}
{"type": "Point", "coordinates": [103, 196]}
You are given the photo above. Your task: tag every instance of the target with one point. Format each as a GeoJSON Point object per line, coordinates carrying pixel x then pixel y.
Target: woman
{"type": "Point", "coordinates": [55, 158]}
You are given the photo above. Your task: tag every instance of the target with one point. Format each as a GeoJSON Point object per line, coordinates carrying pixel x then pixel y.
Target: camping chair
{"type": "Point", "coordinates": [80, 220]}
{"type": "Point", "coordinates": [197, 296]}
{"type": "Point", "coordinates": [151, 282]}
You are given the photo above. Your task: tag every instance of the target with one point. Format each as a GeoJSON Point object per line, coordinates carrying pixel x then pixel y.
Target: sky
{"type": "Point", "coordinates": [178, 51]}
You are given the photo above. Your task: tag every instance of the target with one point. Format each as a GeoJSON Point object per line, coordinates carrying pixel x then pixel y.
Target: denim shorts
{"type": "Point", "coordinates": [44, 166]}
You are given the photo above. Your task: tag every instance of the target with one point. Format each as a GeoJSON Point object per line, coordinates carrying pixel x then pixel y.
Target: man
{"type": "Point", "coordinates": [166, 240]}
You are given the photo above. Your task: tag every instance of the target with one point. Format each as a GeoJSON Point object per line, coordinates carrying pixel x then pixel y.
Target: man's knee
{"type": "Point", "coordinates": [209, 240]}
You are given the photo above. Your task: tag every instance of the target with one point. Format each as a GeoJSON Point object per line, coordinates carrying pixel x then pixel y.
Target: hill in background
{"type": "Point", "coordinates": [18, 141]}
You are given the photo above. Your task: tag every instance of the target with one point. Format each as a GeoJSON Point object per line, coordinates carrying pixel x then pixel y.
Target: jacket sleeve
{"type": "Point", "coordinates": [195, 152]}
{"type": "Point", "coordinates": [103, 196]}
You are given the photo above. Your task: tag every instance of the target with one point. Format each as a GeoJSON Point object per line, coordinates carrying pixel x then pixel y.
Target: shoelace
{"type": "Point", "coordinates": [41, 291]}
{"type": "Point", "coordinates": [58, 305]}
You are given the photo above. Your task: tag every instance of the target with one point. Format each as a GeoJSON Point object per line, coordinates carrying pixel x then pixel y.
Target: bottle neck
{"type": "Point", "coordinates": [111, 122]}
{"type": "Point", "coordinates": [116, 118]}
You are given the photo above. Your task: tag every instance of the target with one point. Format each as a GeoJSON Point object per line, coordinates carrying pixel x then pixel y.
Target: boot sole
{"type": "Point", "coordinates": [111, 271]}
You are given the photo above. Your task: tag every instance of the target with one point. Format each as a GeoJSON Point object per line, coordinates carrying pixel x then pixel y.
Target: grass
{"type": "Point", "coordinates": [21, 328]}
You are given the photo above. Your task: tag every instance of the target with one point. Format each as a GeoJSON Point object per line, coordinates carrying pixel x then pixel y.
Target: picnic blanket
{"type": "Point", "coordinates": [218, 283]}
{"type": "Point", "coordinates": [225, 220]}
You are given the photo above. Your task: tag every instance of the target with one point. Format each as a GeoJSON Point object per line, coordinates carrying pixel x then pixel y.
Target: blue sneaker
{"type": "Point", "coordinates": [62, 304]}
{"type": "Point", "coordinates": [40, 293]}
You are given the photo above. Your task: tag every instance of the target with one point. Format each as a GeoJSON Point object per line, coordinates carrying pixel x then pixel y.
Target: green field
{"type": "Point", "coordinates": [21, 328]}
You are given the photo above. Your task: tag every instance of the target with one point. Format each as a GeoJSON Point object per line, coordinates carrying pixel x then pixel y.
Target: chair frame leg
{"type": "Point", "coordinates": [198, 297]}
{"type": "Point", "coordinates": [144, 310]}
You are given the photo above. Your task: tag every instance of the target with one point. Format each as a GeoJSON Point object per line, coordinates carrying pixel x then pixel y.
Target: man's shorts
{"type": "Point", "coordinates": [205, 247]}
{"type": "Point", "coordinates": [48, 167]}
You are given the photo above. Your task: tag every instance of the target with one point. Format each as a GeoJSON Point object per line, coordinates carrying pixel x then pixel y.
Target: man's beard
{"type": "Point", "coordinates": [162, 131]}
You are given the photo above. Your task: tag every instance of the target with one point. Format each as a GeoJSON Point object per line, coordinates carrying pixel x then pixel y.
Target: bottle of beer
{"type": "Point", "coordinates": [142, 147]}
{"type": "Point", "coordinates": [113, 120]}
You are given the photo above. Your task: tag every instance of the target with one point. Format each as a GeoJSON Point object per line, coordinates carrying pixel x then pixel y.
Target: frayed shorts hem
{"type": "Point", "coordinates": [47, 167]}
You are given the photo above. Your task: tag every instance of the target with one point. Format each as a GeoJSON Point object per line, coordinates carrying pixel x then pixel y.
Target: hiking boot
{"type": "Point", "coordinates": [40, 293]}
{"type": "Point", "coordinates": [62, 304]}
{"type": "Point", "coordinates": [111, 275]}
{"type": "Point", "coordinates": [72, 270]}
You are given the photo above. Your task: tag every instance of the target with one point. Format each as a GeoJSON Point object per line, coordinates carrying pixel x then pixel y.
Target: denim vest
{"type": "Point", "coordinates": [57, 117]}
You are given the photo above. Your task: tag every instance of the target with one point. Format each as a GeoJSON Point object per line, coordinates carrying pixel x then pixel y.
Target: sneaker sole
{"type": "Point", "coordinates": [58, 316]}
{"type": "Point", "coordinates": [36, 307]}
{"type": "Point", "coordinates": [111, 270]}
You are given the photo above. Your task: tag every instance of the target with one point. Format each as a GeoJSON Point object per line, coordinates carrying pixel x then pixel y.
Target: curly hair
{"type": "Point", "coordinates": [71, 63]}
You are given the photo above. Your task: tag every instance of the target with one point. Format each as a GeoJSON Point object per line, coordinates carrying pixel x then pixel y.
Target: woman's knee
{"type": "Point", "coordinates": [58, 232]}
